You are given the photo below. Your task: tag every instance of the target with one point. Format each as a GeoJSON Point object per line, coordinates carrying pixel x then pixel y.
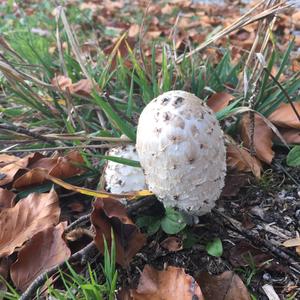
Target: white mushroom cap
{"type": "Point", "coordinates": [120, 178]}
{"type": "Point", "coordinates": [181, 149]}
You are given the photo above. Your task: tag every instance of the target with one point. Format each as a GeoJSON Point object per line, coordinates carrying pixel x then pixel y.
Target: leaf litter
{"type": "Point", "coordinates": [33, 224]}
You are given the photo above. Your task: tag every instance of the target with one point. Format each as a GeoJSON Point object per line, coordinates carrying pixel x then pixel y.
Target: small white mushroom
{"type": "Point", "coordinates": [181, 149]}
{"type": "Point", "coordinates": [120, 178]}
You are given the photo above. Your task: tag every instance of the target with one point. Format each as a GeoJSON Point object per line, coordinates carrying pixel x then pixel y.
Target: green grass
{"type": "Point", "coordinates": [119, 95]}
{"type": "Point", "coordinates": [77, 286]}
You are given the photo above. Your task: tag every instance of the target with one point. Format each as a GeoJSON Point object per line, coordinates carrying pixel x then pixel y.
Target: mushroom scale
{"type": "Point", "coordinates": [181, 149]}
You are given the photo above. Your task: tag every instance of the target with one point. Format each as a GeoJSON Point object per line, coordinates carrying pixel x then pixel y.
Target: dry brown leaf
{"type": "Point", "coordinates": [292, 242]}
{"type": "Point", "coordinates": [262, 138]}
{"type": "Point", "coordinates": [227, 286]}
{"type": "Point", "coordinates": [240, 159]}
{"type": "Point", "coordinates": [6, 199]}
{"type": "Point", "coordinates": [172, 244]}
{"type": "Point", "coordinates": [122, 52]}
{"type": "Point", "coordinates": [285, 116]}
{"type": "Point", "coordinates": [59, 167]}
{"type": "Point", "coordinates": [290, 135]}
{"type": "Point", "coordinates": [62, 82]}
{"type": "Point", "coordinates": [30, 215]}
{"type": "Point", "coordinates": [68, 166]}
{"type": "Point", "coordinates": [82, 87]}
{"type": "Point", "coordinates": [46, 249]}
{"type": "Point", "coordinates": [219, 101]}
{"type": "Point", "coordinates": [172, 283]}
{"type": "Point", "coordinates": [9, 172]}
{"type": "Point", "coordinates": [134, 30]}
{"type": "Point", "coordinates": [7, 159]}
{"type": "Point", "coordinates": [296, 19]}
{"type": "Point", "coordinates": [243, 253]}
{"type": "Point", "coordinates": [109, 214]}
{"type": "Point", "coordinates": [167, 9]}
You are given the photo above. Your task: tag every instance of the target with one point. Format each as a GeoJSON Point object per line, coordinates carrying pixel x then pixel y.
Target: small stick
{"type": "Point", "coordinates": [105, 146]}
{"type": "Point", "coordinates": [83, 254]}
{"type": "Point", "coordinates": [82, 219]}
{"type": "Point", "coordinates": [256, 239]}
{"type": "Point", "coordinates": [25, 131]}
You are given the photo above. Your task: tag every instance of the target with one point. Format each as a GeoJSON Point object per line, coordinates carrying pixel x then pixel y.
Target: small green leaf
{"type": "Point", "coordinates": [293, 158]}
{"type": "Point", "coordinates": [152, 224]}
{"type": "Point", "coordinates": [215, 247]}
{"type": "Point", "coordinates": [173, 222]}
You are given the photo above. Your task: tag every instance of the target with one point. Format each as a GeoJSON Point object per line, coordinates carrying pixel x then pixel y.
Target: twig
{"type": "Point", "coordinates": [256, 239]}
{"type": "Point", "coordinates": [83, 254]}
{"type": "Point", "coordinates": [25, 131]}
{"type": "Point", "coordinates": [83, 219]}
{"type": "Point", "coordinates": [105, 146]}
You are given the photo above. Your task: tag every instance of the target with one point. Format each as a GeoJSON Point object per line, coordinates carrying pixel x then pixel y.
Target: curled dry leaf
{"type": "Point", "coordinates": [240, 159]}
{"type": "Point", "coordinates": [285, 116]}
{"type": "Point", "coordinates": [83, 87]}
{"type": "Point", "coordinates": [109, 214]}
{"type": "Point", "coordinates": [7, 159]}
{"type": "Point", "coordinates": [45, 250]}
{"type": "Point", "coordinates": [172, 283]}
{"type": "Point", "coordinates": [262, 137]}
{"type": "Point", "coordinates": [6, 199]}
{"type": "Point", "coordinates": [293, 243]}
{"type": "Point", "coordinates": [172, 244]}
{"type": "Point", "coordinates": [59, 167]}
{"type": "Point", "coordinates": [9, 172]}
{"type": "Point", "coordinates": [62, 82]}
{"type": "Point", "coordinates": [134, 30]}
{"type": "Point", "coordinates": [219, 101]}
{"type": "Point", "coordinates": [227, 286]}
{"type": "Point", "coordinates": [29, 216]}
{"type": "Point", "coordinates": [242, 254]}
{"type": "Point", "coordinates": [290, 135]}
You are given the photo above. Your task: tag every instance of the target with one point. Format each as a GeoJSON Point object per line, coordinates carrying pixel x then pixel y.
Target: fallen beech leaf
{"type": "Point", "coordinates": [262, 138]}
{"type": "Point", "coordinates": [6, 199]}
{"type": "Point", "coordinates": [292, 242]}
{"type": "Point", "coordinates": [172, 283]}
{"type": "Point", "coordinates": [45, 250]}
{"type": "Point", "coordinates": [296, 19]}
{"type": "Point", "coordinates": [110, 214]}
{"type": "Point", "coordinates": [134, 30]}
{"type": "Point", "coordinates": [60, 167]}
{"type": "Point", "coordinates": [290, 135]}
{"type": "Point", "coordinates": [172, 244]}
{"type": "Point", "coordinates": [7, 159]}
{"type": "Point", "coordinates": [227, 286]}
{"type": "Point", "coordinates": [83, 87]}
{"type": "Point", "coordinates": [30, 215]}
{"type": "Point", "coordinates": [285, 116]}
{"type": "Point", "coordinates": [218, 101]}
{"type": "Point", "coordinates": [240, 159]}
{"type": "Point", "coordinates": [243, 254]}
{"type": "Point", "coordinates": [119, 49]}
{"type": "Point", "coordinates": [167, 9]}
{"type": "Point", "coordinates": [62, 82]}
{"type": "Point", "coordinates": [10, 171]}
